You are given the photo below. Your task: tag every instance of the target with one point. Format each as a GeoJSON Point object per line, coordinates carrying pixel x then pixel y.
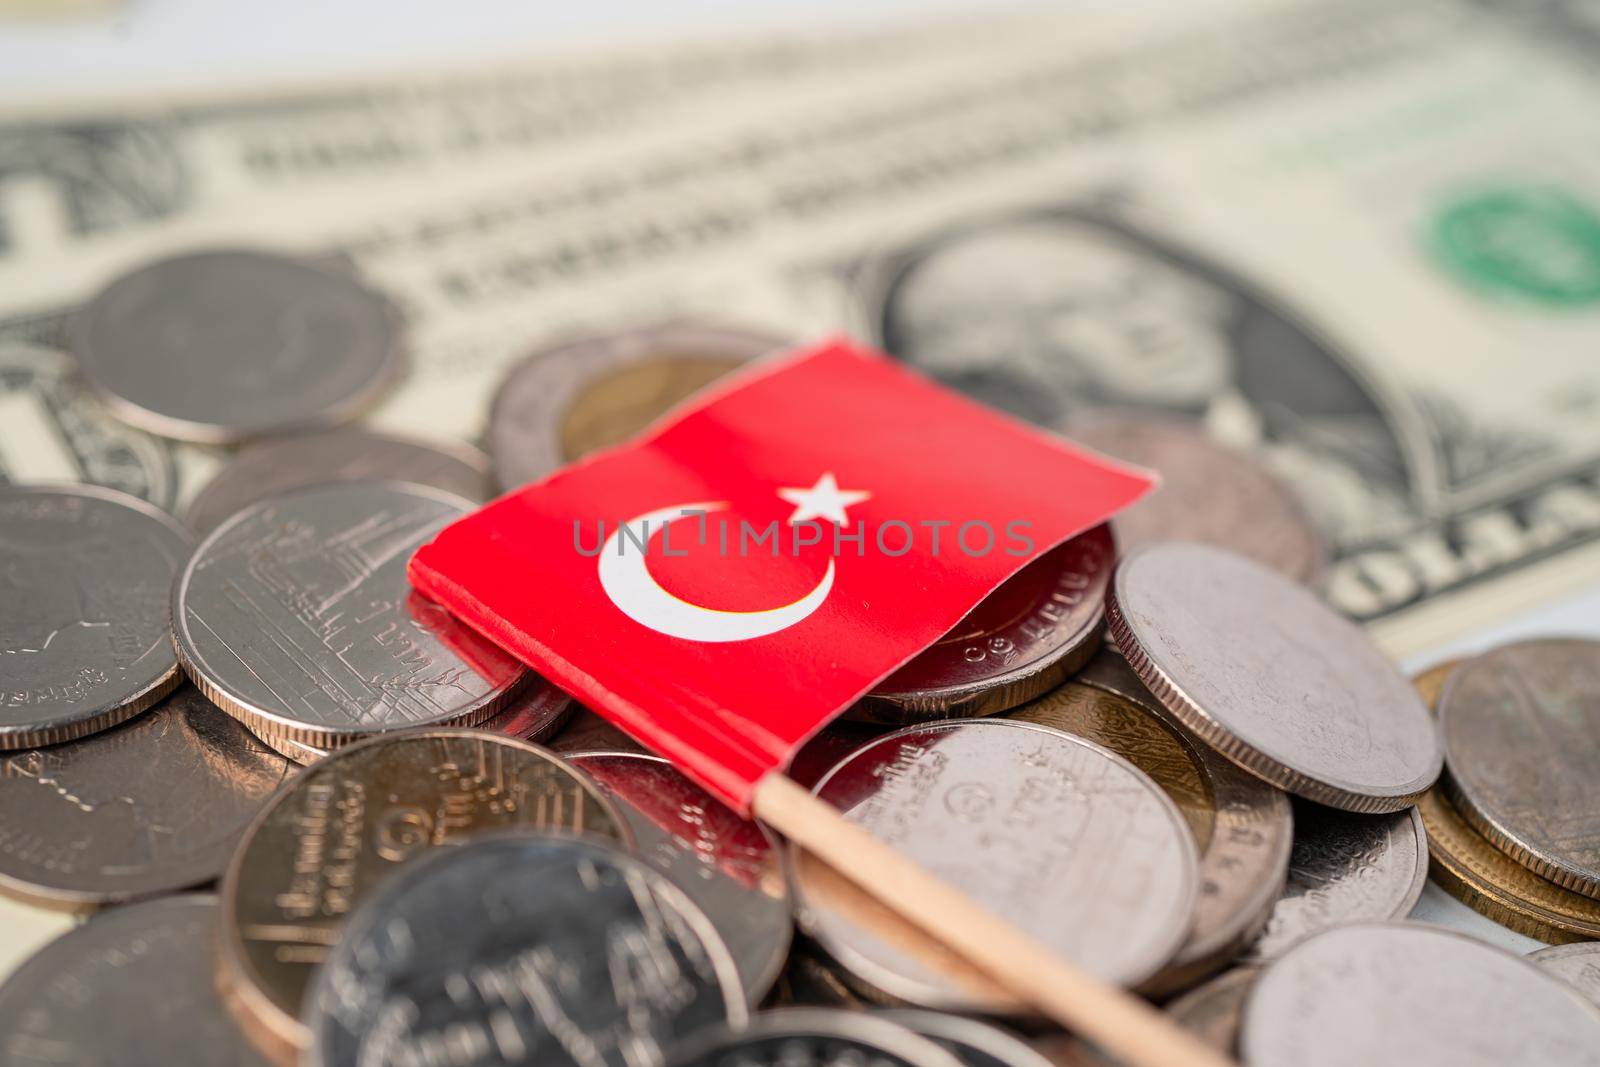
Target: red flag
{"type": "Point", "coordinates": [723, 585]}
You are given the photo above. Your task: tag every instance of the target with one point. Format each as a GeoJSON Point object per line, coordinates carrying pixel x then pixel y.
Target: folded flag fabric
{"type": "Point", "coordinates": [723, 585]}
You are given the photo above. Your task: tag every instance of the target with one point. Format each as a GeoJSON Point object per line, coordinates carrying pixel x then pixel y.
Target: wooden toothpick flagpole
{"type": "Point", "coordinates": [1118, 1022]}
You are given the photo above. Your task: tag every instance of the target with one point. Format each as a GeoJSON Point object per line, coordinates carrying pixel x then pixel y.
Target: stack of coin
{"type": "Point", "coordinates": [1226, 807]}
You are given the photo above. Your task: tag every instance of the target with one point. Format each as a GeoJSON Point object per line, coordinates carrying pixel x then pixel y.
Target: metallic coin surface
{"type": "Point", "coordinates": [333, 834]}
{"type": "Point", "coordinates": [342, 455]}
{"type": "Point", "coordinates": [1040, 625]}
{"type": "Point", "coordinates": [1242, 825]}
{"type": "Point", "coordinates": [129, 988]}
{"type": "Point", "coordinates": [522, 949]}
{"type": "Point", "coordinates": [225, 345]}
{"type": "Point", "coordinates": [730, 867]}
{"type": "Point", "coordinates": [151, 806]}
{"type": "Point", "coordinates": [85, 575]}
{"type": "Point", "coordinates": [1346, 868]}
{"type": "Point", "coordinates": [1212, 1012]}
{"type": "Point", "coordinates": [56, 431]}
{"type": "Point", "coordinates": [1577, 965]}
{"type": "Point", "coordinates": [974, 1043]}
{"type": "Point", "coordinates": [809, 979]}
{"type": "Point", "coordinates": [1269, 676]}
{"type": "Point", "coordinates": [1521, 729]}
{"type": "Point", "coordinates": [536, 711]}
{"type": "Point", "coordinates": [584, 731]}
{"type": "Point", "coordinates": [1479, 875]}
{"type": "Point", "coordinates": [1209, 493]}
{"type": "Point", "coordinates": [1430, 683]}
{"type": "Point", "coordinates": [814, 1037]}
{"type": "Point", "coordinates": [1012, 814]}
{"type": "Point", "coordinates": [1416, 994]}
{"type": "Point", "coordinates": [560, 403]}
{"type": "Point", "coordinates": [297, 617]}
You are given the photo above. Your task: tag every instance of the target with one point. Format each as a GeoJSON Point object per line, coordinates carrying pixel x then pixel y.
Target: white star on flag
{"type": "Point", "coordinates": [825, 500]}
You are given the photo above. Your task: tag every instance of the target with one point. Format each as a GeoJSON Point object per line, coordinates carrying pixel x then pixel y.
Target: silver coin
{"type": "Point", "coordinates": [224, 345]}
{"type": "Point", "coordinates": [343, 455]}
{"type": "Point", "coordinates": [1212, 1012]}
{"type": "Point", "coordinates": [1244, 826]}
{"type": "Point", "coordinates": [57, 431]}
{"type": "Point", "coordinates": [1521, 731]}
{"type": "Point", "coordinates": [1578, 965]}
{"type": "Point", "coordinates": [1012, 814]}
{"type": "Point", "coordinates": [974, 1043]}
{"type": "Point", "coordinates": [1413, 994]}
{"type": "Point", "coordinates": [85, 575]}
{"type": "Point", "coordinates": [150, 806]}
{"type": "Point", "coordinates": [526, 949]}
{"type": "Point", "coordinates": [1346, 868]}
{"type": "Point", "coordinates": [814, 1037]}
{"type": "Point", "coordinates": [1269, 676]}
{"type": "Point", "coordinates": [529, 435]}
{"type": "Point", "coordinates": [130, 988]}
{"type": "Point", "coordinates": [729, 866]}
{"type": "Point", "coordinates": [297, 617]}
{"type": "Point", "coordinates": [536, 711]}
{"type": "Point", "coordinates": [1208, 493]}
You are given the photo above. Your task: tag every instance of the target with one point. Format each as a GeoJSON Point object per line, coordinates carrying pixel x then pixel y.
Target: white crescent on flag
{"type": "Point", "coordinates": [625, 576]}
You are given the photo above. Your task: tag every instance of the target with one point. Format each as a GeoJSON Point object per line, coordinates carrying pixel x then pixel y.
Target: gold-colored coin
{"type": "Point", "coordinates": [327, 838]}
{"type": "Point", "coordinates": [614, 406]}
{"type": "Point", "coordinates": [1479, 875]}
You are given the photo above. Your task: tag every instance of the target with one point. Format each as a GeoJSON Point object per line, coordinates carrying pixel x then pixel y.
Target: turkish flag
{"type": "Point", "coordinates": [723, 585]}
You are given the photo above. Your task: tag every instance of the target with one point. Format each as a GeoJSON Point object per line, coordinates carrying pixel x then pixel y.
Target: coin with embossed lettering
{"type": "Point", "coordinates": [816, 1037]}
{"type": "Point", "coordinates": [1577, 965]}
{"type": "Point", "coordinates": [56, 431]}
{"type": "Point", "coordinates": [1269, 676]}
{"type": "Point", "coordinates": [342, 455]}
{"type": "Point", "coordinates": [1242, 825]}
{"type": "Point", "coordinates": [1521, 730]}
{"type": "Point", "coordinates": [147, 807]}
{"type": "Point", "coordinates": [974, 1043]}
{"type": "Point", "coordinates": [537, 711]}
{"type": "Point", "coordinates": [329, 837]}
{"type": "Point", "coordinates": [1208, 493]}
{"type": "Point", "coordinates": [1012, 814]}
{"type": "Point", "coordinates": [1485, 879]}
{"type": "Point", "coordinates": [297, 617]}
{"type": "Point", "coordinates": [85, 574]}
{"type": "Point", "coordinates": [224, 345]}
{"type": "Point", "coordinates": [129, 988]}
{"type": "Point", "coordinates": [522, 949]}
{"type": "Point", "coordinates": [1416, 994]}
{"type": "Point", "coordinates": [729, 866]}
{"type": "Point", "coordinates": [1037, 628]}
{"type": "Point", "coordinates": [1346, 868]}
{"type": "Point", "coordinates": [561, 403]}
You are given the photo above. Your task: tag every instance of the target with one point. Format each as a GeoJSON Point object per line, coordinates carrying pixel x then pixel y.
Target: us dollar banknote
{"type": "Point", "coordinates": [1359, 239]}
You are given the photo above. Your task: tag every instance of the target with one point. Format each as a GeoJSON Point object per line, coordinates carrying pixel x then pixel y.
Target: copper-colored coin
{"type": "Point", "coordinates": [151, 806]}
{"type": "Point", "coordinates": [1521, 728]}
{"type": "Point", "coordinates": [336, 831]}
{"type": "Point", "coordinates": [1242, 825]}
{"type": "Point", "coordinates": [1041, 625]}
{"type": "Point", "coordinates": [562, 402]}
{"type": "Point", "coordinates": [1485, 879]}
{"type": "Point", "coordinates": [1208, 493]}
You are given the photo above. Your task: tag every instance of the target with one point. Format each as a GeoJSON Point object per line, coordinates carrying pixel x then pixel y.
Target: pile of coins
{"type": "Point", "coordinates": [310, 817]}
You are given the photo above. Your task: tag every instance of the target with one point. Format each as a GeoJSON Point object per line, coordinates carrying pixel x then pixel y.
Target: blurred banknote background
{"type": "Point", "coordinates": [1358, 239]}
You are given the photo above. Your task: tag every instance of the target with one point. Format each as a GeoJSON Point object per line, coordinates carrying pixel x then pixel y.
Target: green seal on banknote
{"type": "Point", "coordinates": [1536, 243]}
